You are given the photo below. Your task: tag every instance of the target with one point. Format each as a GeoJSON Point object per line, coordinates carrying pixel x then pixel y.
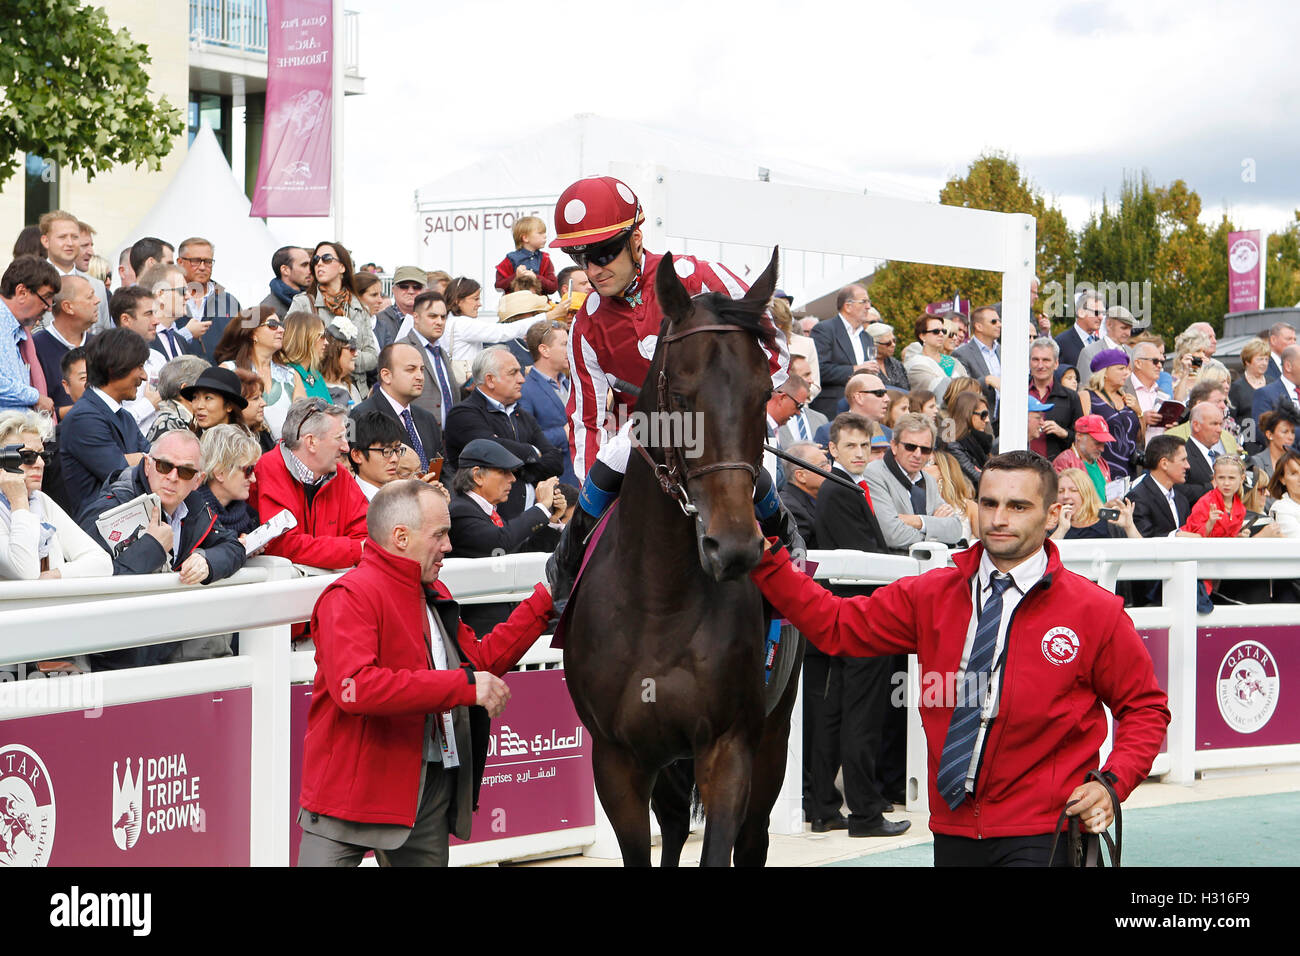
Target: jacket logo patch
{"type": "Point", "coordinates": [1060, 645]}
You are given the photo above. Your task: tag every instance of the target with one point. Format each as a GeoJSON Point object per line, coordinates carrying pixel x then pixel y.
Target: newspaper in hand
{"type": "Point", "coordinates": [264, 534]}
{"type": "Point", "coordinates": [124, 525]}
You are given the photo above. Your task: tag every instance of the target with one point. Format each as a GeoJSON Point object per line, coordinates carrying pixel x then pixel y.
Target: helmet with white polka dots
{"type": "Point", "coordinates": [593, 210]}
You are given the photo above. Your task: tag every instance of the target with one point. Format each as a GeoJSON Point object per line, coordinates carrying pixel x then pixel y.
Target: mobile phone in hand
{"type": "Point", "coordinates": [435, 468]}
{"type": "Point", "coordinates": [1108, 514]}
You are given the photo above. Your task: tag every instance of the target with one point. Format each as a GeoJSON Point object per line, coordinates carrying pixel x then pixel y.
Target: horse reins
{"type": "Point", "coordinates": [672, 473]}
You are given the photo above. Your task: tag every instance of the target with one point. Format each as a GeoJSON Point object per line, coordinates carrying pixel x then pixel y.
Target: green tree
{"type": "Point", "coordinates": [1154, 235]}
{"type": "Point", "coordinates": [901, 290]}
{"type": "Point", "coordinates": [1282, 276]}
{"type": "Point", "coordinates": [75, 92]}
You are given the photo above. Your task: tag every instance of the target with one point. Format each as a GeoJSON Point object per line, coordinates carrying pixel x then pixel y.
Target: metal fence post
{"type": "Point", "coordinates": [1180, 605]}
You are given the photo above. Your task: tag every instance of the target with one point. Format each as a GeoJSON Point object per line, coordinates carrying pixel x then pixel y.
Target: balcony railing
{"type": "Point", "coordinates": [240, 25]}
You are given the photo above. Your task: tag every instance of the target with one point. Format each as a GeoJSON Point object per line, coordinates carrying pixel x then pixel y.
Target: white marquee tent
{"type": "Point", "coordinates": [205, 200]}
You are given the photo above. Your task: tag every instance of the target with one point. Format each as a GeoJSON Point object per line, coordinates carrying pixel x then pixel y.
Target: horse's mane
{"type": "Point", "coordinates": [751, 316]}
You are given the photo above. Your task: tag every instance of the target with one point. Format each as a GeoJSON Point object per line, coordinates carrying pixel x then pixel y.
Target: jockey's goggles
{"type": "Point", "coordinates": [601, 254]}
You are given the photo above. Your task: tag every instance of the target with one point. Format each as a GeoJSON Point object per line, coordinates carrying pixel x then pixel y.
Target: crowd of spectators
{"type": "Point", "coordinates": [329, 388]}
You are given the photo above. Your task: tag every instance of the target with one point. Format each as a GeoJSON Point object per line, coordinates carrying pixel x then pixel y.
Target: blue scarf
{"type": "Point", "coordinates": [283, 291]}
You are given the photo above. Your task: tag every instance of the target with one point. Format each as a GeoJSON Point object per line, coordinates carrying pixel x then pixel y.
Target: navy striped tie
{"type": "Point", "coordinates": [963, 730]}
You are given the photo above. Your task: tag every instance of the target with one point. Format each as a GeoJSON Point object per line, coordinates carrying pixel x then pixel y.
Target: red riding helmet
{"type": "Point", "coordinates": [593, 210]}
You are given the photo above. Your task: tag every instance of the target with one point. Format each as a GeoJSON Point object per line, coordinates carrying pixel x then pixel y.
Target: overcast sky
{"type": "Point", "coordinates": [901, 98]}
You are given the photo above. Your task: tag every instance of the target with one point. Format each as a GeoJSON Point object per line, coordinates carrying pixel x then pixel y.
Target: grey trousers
{"type": "Point", "coordinates": [425, 846]}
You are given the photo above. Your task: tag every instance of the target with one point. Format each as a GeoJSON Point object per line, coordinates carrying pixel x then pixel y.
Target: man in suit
{"type": "Point", "coordinates": [786, 402]}
{"type": "Point", "coordinates": [1117, 332]}
{"type": "Point", "coordinates": [492, 411]}
{"type": "Point", "coordinates": [483, 481]}
{"type": "Point", "coordinates": [208, 307]}
{"type": "Point", "coordinates": [428, 322]}
{"type": "Point", "coordinates": [1144, 385]}
{"type": "Point", "coordinates": [546, 387]}
{"type": "Point", "coordinates": [374, 447]}
{"type": "Point", "coordinates": [1281, 391]}
{"type": "Point", "coordinates": [1159, 506]}
{"type": "Point", "coordinates": [1281, 336]}
{"type": "Point", "coordinates": [167, 284]}
{"type": "Point", "coordinates": [1088, 314]}
{"type": "Point", "coordinates": [905, 499]}
{"type": "Point", "coordinates": [847, 699]}
{"type": "Point", "coordinates": [1203, 450]}
{"type": "Point", "coordinates": [982, 357]}
{"type": "Point", "coordinates": [76, 310]}
{"type": "Point", "coordinates": [801, 489]}
{"type": "Point", "coordinates": [401, 380]}
{"type": "Point", "coordinates": [843, 347]}
{"type": "Point", "coordinates": [394, 323]}
{"type": "Point", "coordinates": [100, 438]}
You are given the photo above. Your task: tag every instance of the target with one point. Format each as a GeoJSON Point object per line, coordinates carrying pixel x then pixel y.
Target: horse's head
{"type": "Point", "coordinates": [715, 389]}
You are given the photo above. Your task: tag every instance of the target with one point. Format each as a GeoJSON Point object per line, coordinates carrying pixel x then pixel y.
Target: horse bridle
{"type": "Point", "coordinates": [672, 472]}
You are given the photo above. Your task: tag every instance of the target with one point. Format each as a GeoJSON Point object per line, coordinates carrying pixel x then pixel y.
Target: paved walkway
{"type": "Point", "coordinates": [1249, 820]}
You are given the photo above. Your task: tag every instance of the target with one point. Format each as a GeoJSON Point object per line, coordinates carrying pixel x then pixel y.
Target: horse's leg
{"type": "Point", "coordinates": [769, 774]}
{"type": "Point", "coordinates": [623, 786]}
{"type": "Point", "coordinates": [723, 773]}
{"type": "Point", "coordinates": [671, 801]}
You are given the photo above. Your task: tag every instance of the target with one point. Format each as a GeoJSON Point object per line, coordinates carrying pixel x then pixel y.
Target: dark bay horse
{"type": "Point", "coordinates": [664, 641]}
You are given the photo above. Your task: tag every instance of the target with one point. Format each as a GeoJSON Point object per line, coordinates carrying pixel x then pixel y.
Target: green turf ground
{"type": "Point", "coordinates": [1241, 831]}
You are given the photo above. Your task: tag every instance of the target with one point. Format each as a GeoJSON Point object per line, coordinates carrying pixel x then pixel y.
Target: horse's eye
{"type": "Point", "coordinates": [679, 400]}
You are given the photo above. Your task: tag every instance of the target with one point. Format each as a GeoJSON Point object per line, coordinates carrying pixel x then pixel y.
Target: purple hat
{"type": "Point", "coordinates": [1108, 357]}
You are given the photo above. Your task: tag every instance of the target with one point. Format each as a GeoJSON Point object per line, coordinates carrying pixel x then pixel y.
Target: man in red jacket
{"type": "Point", "coordinates": [1017, 656]}
{"type": "Point", "coordinates": [301, 474]}
{"type": "Point", "coordinates": [389, 761]}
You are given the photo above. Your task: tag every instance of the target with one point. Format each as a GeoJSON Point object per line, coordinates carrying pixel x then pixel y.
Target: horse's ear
{"type": "Point", "coordinates": [674, 300]}
{"type": "Point", "coordinates": [761, 291]}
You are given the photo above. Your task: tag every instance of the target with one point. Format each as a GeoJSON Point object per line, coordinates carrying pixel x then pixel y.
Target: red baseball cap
{"type": "Point", "coordinates": [593, 210]}
{"type": "Point", "coordinates": [1095, 426]}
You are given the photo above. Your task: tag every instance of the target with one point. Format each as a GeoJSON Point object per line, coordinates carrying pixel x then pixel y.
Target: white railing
{"type": "Point", "coordinates": [241, 25]}
{"type": "Point", "coordinates": [56, 619]}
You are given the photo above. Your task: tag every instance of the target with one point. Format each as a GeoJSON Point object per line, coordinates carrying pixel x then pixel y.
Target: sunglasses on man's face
{"type": "Point", "coordinates": [602, 254]}
{"type": "Point", "coordinates": [184, 472]}
{"type": "Point", "coordinates": [909, 446]}
{"type": "Point", "coordinates": [327, 257]}
{"type": "Point", "coordinates": [878, 392]}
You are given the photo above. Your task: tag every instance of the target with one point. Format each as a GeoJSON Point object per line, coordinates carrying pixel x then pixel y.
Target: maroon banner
{"type": "Point", "coordinates": [947, 305]}
{"type": "Point", "coordinates": [1156, 641]}
{"type": "Point", "coordinates": [159, 783]}
{"type": "Point", "coordinates": [1245, 271]}
{"type": "Point", "coordinates": [538, 776]}
{"type": "Point", "coordinates": [293, 177]}
{"type": "Point", "coordinates": [1246, 679]}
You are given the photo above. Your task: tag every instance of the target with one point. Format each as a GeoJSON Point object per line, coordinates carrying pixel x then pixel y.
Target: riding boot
{"type": "Point", "coordinates": [782, 525]}
{"type": "Point", "coordinates": [563, 564]}
{"type": "Point", "coordinates": [774, 518]}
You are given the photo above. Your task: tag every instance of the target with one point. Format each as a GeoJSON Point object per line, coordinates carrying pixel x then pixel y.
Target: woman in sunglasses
{"type": "Point", "coordinates": [333, 292]}
{"type": "Point", "coordinates": [229, 454]}
{"type": "Point", "coordinates": [254, 414]}
{"type": "Point", "coordinates": [253, 342]}
{"type": "Point", "coordinates": [303, 349]}
{"type": "Point", "coordinates": [37, 538]}
{"type": "Point", "coordinates": [972, 439]}
{"type": "Point", "coordinates": [216, 398]}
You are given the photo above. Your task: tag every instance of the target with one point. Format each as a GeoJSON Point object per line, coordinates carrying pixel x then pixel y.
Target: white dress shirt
{"type": "Point", "coordinates": [1023, 577]}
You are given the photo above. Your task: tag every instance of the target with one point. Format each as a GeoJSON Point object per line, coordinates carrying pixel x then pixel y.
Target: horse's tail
{"type": "Point", "coordinates": [678, 779]}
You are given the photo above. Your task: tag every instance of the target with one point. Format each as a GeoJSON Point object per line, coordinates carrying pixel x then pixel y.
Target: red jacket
{"type": "Point", "coordinates": [329, 533]}
{"type": "Point", "coordinates": [374, 685]}
{"type": "Point", "coordinates": [545, 274]}
{"type": "Point", "coordinates": [1049, 723]}
{"type": "Point", "coordinates": [1228, 525]}
{"type": "Point", "coordinates": [610, 338]}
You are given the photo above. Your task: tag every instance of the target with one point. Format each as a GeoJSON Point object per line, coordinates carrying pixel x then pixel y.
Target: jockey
{"type": "Point", "coordinates": [613, 339]}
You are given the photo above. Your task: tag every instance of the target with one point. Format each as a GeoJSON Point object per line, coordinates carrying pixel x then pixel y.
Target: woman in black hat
{"type": "Point", "coordinates": [216, 398]}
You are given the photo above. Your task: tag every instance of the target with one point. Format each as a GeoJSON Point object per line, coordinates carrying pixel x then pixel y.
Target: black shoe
{"type": "Point", "coordinates": [885, 828]}
{"type": "Point", "coordinates": [563, 565]}
{"type": "Point", "coordinates": [830, 823]}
